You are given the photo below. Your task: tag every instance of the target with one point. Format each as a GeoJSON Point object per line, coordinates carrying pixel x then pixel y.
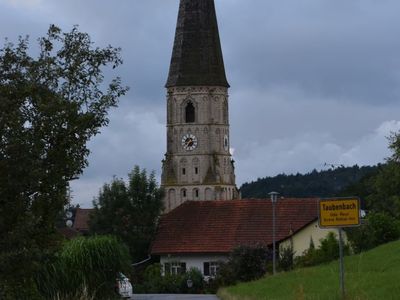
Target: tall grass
{"type": "Point", "coordinates": [370, 275]}
{"type": "Point", "coordinates": [82, 294]}
{"type": "Point", "coordinates": [88, 265]}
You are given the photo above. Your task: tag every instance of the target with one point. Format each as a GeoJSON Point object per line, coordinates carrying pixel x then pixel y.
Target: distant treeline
{"type": "Point", "coordinates": [326, 183]}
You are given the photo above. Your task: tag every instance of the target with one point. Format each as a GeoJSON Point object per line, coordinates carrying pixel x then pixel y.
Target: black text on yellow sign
{"type": "Point", "coordinates": [339, 212]}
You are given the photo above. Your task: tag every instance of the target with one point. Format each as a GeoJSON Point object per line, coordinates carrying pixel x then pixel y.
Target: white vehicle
{"type": "Point", "coordinates": [124, 286]}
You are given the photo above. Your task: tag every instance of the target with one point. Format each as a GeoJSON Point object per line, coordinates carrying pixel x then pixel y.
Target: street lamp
{"type": "Point", "coordinates": [274, 199]}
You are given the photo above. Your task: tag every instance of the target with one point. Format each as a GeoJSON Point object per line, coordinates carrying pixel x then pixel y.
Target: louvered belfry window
{"type": "Point", "coordinates": [190, 113]}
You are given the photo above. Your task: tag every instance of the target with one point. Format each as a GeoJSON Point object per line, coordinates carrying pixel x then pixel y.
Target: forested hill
{"type": "Point", "coordinates": [325, 183]}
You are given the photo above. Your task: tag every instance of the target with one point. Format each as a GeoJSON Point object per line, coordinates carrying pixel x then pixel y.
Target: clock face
{"type": "Point", "coordinates": [189, 142]}
{"type": "Point", "coordinates": [226, 143]}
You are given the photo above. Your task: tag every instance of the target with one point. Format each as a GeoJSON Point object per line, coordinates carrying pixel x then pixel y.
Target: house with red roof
{"type": "Point", "coordinates": [202, 233]}
{"type": "Point", "coordinates": [81, 222]}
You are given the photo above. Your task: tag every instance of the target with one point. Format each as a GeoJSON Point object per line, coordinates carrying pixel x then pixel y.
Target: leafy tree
{"type": "Point", "coordinates": [381, 194]}
{"type": "Point", "coordinates": [50, 106]}
{"type": "Point", "coordinates": [62, 215]}
{"type": "Point", "coordinates": [329, 249]}
{"type": "Point", "coordinates": [378, 228]}
{"type": "Point", "coordinates": [129, 211]}
{"type": "Point", "coordinates": [286, 256]}
{"type": "Point", "coordinates": [386, 190]}
{"type": "Point", "coordinates": [385, 196]}
{"type": "Point", "coordinates": [326, 183]}
{"type": "Point", "coordinates": [394, 145]}
{"type": "Point", "coordinates": [364, 187]}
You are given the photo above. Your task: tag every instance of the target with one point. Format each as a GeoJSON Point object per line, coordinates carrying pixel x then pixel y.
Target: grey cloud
{"type": "Point", "coordinates": [348, 50]}
{"type": "Point", "coordinates": [312, 81]}
{"type": "Point", "coordinates": [309, 151]}
{"type": "Point", "coordinates": [284, 111]}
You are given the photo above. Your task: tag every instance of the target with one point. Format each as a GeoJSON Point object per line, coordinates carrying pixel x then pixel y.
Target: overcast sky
{"type": "Point", "coordinates": [312, 81]}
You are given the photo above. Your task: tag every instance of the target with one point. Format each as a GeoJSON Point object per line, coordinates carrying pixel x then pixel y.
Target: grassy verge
{"type": "Point", "coordinates": [370, 275]}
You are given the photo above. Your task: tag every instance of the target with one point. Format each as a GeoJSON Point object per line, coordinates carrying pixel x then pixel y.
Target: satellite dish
{"type": "Point", "coordinates": [69, 223]}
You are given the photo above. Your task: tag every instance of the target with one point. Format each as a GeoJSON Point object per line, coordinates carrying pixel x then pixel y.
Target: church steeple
{"type": "Point", "coordinates": [198, 164]}
{"type": "Point", "coordinates": [197, 57]}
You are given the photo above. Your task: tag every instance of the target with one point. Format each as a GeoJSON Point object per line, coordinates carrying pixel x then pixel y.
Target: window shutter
{"type": "Point", "coordinates": [183, 268]}
{"type": "Point", "coordinates": [206, 268]}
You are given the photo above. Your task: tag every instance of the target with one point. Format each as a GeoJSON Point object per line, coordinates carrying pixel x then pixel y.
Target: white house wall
{"type": "Point", "coordinates": [301, 239]}
{"type": "Point", "coordinates": [193, 261]}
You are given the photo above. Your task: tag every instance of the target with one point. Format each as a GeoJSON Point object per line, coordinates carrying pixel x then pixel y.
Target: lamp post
{"type": "Point", "coordinates": [274, 199]}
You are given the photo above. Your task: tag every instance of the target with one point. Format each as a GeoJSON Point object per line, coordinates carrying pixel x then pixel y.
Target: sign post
{"type": "Point", "coordinates": [339, 213]}
{"type": "Point", "coordinates": [341, 263]}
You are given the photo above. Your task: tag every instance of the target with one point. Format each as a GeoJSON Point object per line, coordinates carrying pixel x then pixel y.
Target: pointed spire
{"type": "Point", "coordinates": [197, 56]}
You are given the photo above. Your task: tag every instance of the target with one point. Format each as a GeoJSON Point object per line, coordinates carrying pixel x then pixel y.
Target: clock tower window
{"type": "Point", "coordinates": [196, 193]}
{"type": "Point", "coordinates": [190, 113]}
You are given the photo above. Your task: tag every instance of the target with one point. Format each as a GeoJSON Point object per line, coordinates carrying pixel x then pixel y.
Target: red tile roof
{"type": "Point", "coordinates": [69, 233]}
{"type": "Point", "coordinates": [81, 222]}
{"type": "Point", "coordinates": [220, 226]}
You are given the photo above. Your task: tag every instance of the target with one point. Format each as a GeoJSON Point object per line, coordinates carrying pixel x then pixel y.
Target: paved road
{"type": "Point", "coordinates": [174, 297]}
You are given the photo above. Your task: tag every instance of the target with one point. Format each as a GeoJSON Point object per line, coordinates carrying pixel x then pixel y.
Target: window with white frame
{"type": "Point", "coordinates": [211, 268]}
{"type": "Point", "coordinates": [175, 268]}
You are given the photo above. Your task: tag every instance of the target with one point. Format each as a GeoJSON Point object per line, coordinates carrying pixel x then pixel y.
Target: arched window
{"type": "Point", "coordinates": [183, 170]}
{"type": "Point", "coordinates": [183, 194]}
{"type": "Point", "coordinates": [190, 113]}
{"type": "Point", "coordinates": [196, 194]}
{"type": "Point", "coordinates": [196, 164]}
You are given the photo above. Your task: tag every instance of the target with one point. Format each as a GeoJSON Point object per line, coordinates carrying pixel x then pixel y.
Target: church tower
{"type": "Point", "coordinates": [198, 164]}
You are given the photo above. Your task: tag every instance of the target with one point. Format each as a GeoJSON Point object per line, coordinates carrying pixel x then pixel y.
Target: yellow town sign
{"type": "Point", "coordinates": [339, 212]}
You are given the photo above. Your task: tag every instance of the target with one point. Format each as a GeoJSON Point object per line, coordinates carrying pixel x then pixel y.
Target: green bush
{"type": "Point", "coordinates": [245, 263]}
{"type": "Point", "coordinates": [226, 276]}
{"type": "Point", "coordinates": [154, 282]}
{"type": "Point", "coordinates": [326, 252]}
{"type": "Point", "coordinates": [286, 256]}
{"type": "Point", "coordinates": [383, 228]}
{"type": "Point", "coordinates": [307, 259]}
{"type": "Point", "coordinates": [379, 228]}
{"type": "Point", "coordinates": [85, 264]}
{"type": "Point", "coordinates": [249, 262]}
{"type": "Point", "coordinates": [197, 280]}
{"type": "Point", "coordinates": [151, 281]}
